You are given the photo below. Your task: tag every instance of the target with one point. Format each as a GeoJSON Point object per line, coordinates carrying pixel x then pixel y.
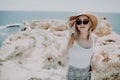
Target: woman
{"type": "Point", "coordinates": [81, 43]}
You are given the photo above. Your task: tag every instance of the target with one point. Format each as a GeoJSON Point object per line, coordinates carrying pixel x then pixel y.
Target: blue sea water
{"type": "Point", "coordinates": [12, 17]}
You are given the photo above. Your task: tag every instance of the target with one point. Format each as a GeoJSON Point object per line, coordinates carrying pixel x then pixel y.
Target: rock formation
{"type": "Point", "coordinates": [105, 61]}
{"type": "Point", "coordinates": [38, 52]}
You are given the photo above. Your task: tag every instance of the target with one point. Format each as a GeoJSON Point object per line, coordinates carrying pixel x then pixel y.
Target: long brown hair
{"type": "Point", "coordinates": [75, 36]}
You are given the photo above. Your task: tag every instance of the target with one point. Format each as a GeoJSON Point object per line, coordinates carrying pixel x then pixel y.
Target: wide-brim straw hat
{"type": "Point", "coordinates": [92, 18]}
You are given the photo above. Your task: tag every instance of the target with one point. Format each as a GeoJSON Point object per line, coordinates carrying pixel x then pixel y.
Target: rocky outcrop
{"type": "Point", "coordinates": [105, 61]}
{"type": "Point", "coordinates": [38, 52]}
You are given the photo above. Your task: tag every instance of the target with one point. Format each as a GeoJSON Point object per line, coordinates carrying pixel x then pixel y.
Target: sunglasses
{"type": "Point", "coordinates": [79, 21]}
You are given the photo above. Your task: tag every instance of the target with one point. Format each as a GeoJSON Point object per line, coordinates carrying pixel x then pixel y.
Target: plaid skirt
{"type": "Point", "coordinates": [75, 73]}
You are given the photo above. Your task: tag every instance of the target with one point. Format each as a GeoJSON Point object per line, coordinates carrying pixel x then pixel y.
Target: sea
{"type": "Point", "coordinates": [8, 18]}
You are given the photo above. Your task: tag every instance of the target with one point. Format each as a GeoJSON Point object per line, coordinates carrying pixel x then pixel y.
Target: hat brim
{"type": "Point", "coordinates": [88, 15]}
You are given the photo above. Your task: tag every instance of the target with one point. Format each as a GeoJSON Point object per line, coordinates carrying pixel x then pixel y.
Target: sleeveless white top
{"type": "Point", "coordinates": [80, 57]}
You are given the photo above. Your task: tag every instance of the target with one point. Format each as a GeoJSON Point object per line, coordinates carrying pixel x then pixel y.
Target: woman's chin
{"type": "Point", "coordinates": [83, 29]}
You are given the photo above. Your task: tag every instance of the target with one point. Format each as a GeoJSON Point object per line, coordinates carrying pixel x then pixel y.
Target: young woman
{"type": "Point", "coordinates": [81, 44]}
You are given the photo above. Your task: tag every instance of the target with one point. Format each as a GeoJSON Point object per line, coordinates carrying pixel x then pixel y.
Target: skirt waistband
{"type": "Point", "coordinates": [78, 69]}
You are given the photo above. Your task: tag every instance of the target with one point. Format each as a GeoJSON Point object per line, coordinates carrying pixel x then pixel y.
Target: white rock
{"type": "Point", "coordinates": [105, 61]}
{"type": "Point", "coordinates": [36, 52]}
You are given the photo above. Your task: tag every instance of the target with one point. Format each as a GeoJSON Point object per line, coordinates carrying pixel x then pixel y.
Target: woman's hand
{"type": "Point", "coordinates": [72, 26]}
{"type": "Point", "coordinates": [72, 23]}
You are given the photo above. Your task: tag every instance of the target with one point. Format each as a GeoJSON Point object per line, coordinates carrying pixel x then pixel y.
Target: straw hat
{"type": "Point", "coordinates": [92, 18]}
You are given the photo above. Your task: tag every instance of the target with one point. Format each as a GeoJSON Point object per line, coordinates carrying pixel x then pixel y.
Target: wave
{"type": "Point", "coordinates": [10, 25]}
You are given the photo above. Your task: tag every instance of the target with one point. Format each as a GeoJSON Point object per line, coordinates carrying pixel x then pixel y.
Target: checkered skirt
{"type": "Point", "coordinates": [75, 73]}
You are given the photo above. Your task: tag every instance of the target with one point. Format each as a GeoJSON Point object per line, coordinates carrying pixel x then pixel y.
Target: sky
{"type": "Point", "coordinates": [61, 5]}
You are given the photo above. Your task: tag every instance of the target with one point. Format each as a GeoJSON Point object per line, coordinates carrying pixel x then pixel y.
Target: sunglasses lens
{"type": "Point", "coordinates": [78, 22]}
{"type": "Point", "coordinates": [85, 21]}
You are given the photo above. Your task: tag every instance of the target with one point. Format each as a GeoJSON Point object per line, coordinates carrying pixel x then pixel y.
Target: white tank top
{"type": "Point", "coordinates": [80, 57]}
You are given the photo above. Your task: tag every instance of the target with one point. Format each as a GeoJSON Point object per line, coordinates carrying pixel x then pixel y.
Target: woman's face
{"type": "Point", "coordinates": [83, 23]}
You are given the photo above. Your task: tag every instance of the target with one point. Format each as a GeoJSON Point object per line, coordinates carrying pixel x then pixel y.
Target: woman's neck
{"type": "Point", "coordinates": [83, 35]}
{"type": "Point", "coordinates": [84, 41]}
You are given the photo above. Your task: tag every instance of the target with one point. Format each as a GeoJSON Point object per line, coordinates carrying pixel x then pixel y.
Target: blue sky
{"type": "Point", "coordinates": [61, 5]}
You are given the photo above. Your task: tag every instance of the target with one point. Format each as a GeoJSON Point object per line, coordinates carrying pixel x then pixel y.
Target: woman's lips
{"type": "Point", "coordinates": [82, 27]}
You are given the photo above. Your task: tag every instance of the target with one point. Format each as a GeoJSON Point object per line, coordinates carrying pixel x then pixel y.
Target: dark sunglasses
{"type": "Point", "coordinates": [79, 21]}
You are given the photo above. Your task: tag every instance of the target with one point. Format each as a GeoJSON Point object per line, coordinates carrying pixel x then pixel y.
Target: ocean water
{"type": "Point", "coordinates": [13, 17]}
